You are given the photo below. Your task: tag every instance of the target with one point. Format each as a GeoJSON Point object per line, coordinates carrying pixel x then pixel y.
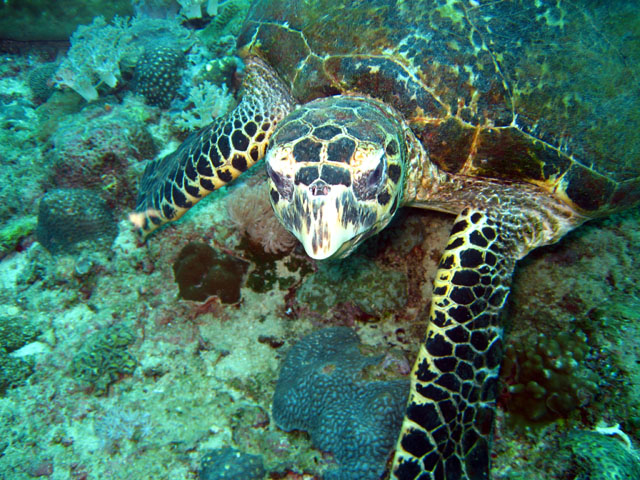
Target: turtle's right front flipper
{"type": "Point", "coordinates": [215, 155]}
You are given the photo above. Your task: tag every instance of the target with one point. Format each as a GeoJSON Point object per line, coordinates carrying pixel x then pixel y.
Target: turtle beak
{"type": "Point", "coordinates": [324, 236]}
{"type": "Point", "coordinates": [321, 220]}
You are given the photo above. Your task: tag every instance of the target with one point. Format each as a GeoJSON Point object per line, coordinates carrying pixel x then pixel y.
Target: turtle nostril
{"type": "Point", "coordinates": [318, 188]}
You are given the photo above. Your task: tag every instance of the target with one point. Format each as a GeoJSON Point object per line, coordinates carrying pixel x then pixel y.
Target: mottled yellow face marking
{"type": "Point", "coordinates": [366, 155]}
{"type": "Point", "coordinates": [336, 173]}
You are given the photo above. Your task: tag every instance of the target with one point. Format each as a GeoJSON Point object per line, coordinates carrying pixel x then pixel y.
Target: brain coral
{"type": "Point", "coordinates": [321, 389]}
{"type": "Point", "coordinates": [104, 358]}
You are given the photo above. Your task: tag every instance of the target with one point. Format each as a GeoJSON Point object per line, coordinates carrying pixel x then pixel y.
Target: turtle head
{"type": "Point", "coordinates": [336, 173]}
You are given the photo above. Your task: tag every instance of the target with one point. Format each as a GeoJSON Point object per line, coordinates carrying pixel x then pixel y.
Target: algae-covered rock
{"type": "Point", "coordinates": [600, 457]}
{"type": "Point", "coordinates": [14, 334]}
{"type": "Point", "coordinates": [13, 372]}
{"type": "Point", "coordinates": [104, 358]}
{"type": "Point", "coordinates": [357, 280]}
{"type": "Point", "coordinates": [14, 230]}
{"type": "Point", "coordinates": [230, 464]}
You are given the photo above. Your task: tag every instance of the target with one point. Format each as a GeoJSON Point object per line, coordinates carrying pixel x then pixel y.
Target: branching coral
{"type": "Point", "coordinates": [209, 102]}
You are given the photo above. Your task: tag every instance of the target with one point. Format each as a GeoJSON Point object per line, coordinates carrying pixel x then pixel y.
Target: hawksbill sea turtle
{"type": "Point", "coordinates": [521, 118]}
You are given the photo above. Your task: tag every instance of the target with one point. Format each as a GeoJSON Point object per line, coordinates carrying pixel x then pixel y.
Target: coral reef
{"type": "Point", "coordinates": [96, 148]}
{"type": "Point", "coordinates": [104, 358]}
{"type": "Point", "coordinates": [158, 74]}
{"type": "Point", "coordinates": [322, 390]}
{"type": "Point", "coordinates": [201, 272]}
{"type": "Point", "coordinates": [548, 377]}
{"type": "Point", "coordinates": [98, 49]}
{"type": "Point", "coordinates": [227, 463]}
{"type": "Point", "coordinates": [206, 372]}
{"type": "Point", "coordinates": [373, 289]}
{"type": "Point", "coordinates": [67, 217]}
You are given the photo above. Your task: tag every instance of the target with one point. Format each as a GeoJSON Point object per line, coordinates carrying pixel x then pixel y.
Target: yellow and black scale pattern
{"type": "Point", "coordinates": [450, 414]}
{"type": "Point", "coordinates": [215, 155]}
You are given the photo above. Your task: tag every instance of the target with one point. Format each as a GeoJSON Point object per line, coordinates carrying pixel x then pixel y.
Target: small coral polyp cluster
{"type": "Point", "coordinates": [104, 358]}
{"type": "Point", "coordinates": [548, 378]}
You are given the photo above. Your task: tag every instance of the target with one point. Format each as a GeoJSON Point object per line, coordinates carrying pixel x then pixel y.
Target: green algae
{"type": "Point", "coordinates": [14, 230]}
{"type": "Point", "coordinates": [373, 289]}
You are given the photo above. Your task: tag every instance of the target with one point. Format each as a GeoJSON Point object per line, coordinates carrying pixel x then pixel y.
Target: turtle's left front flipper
{"type": "Point", "coordinates": [215, 155]}
{"type": "Point", "coordinates": [446, 433]}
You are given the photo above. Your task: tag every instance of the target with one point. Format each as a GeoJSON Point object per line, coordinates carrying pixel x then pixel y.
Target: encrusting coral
{"type": "Point", "coordinates": [549, 377]}
{"type": "Point", "coordinates": [104, 358]}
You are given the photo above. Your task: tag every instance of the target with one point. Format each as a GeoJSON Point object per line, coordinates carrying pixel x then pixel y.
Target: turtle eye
{"type": "Point", "coordinates": [374, 177]}
{"type": "Point", "coordinates": [367, 185]}
{"type": "Point", "coordinates": [282, 184]}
